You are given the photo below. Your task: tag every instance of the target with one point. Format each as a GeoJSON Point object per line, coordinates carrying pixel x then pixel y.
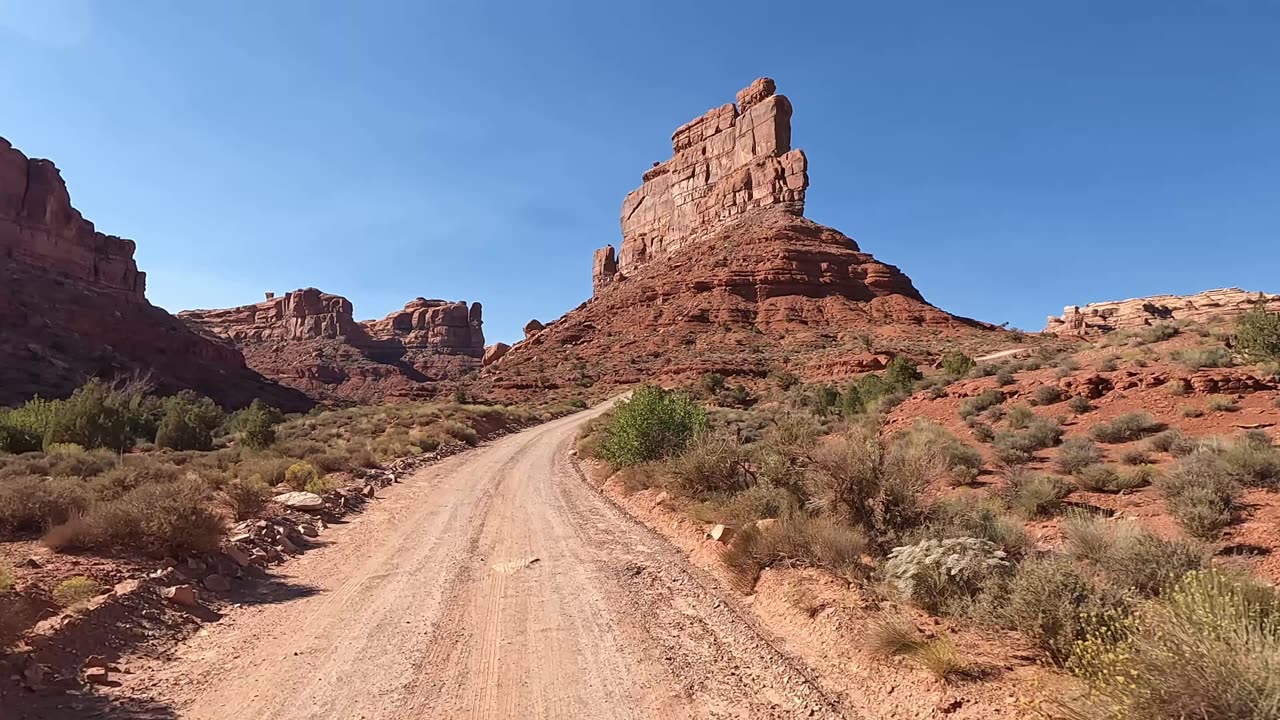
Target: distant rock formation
{"type": "Point", "coordinates": [1104, 317]}
{"type": "Point", "coordinates": [309, 340]}
{"type": "Point", "coordinates": [73, 306]}
{"type": "Point", "coordinates": [733, 159]}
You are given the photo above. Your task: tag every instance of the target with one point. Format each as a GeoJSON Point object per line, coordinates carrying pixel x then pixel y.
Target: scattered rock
{"type": "Point", "coordinates": [184, 595]}
{"type": "Point", "coordinates": [309, 530]}
{"type": "Point", "coordinates": [97, 676]}
{"type": "Point", "coordinates": [238, 556]}
{"type": "Point", "coordinates": [31, 563]}
{"type": "Point", "coordinates": [217, 583]}
{"type": "Point", "coordinates": [719, 533]}
{"type": "Point", "coordinates": [299, 500]}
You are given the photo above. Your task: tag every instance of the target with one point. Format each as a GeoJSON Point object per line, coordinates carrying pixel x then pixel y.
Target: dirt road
{"type": "Point", "coordinates": [494, 584]}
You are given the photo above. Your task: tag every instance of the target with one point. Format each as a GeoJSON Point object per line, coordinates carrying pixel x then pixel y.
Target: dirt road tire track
{"type": "Point", "coordinates": [495, 584]}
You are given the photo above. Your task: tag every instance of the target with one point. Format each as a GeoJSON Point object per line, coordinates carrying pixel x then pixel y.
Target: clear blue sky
{"type": "Point", "coordinates": [1011, 157]}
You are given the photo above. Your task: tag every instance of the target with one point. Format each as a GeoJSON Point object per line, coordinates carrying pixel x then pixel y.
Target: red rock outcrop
{"type": "Point", "coordinates": [73, 306]}
{"type": "Point", "coordinates": [38, 226]}
{"type": "Point", "coordinates": [732, 159]}
{"type": "Point", "coordinates": [1104, 317]}
{"type": "Point", "coordinates": [309, 340]}
{"type": "Point", "coordinates": [494, 353]}
{"type": "Point", "coordinates": [720, 272]}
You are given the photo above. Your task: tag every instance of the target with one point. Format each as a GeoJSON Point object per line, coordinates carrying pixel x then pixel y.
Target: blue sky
{"type": "Point", "coordinates": [1011, 157]}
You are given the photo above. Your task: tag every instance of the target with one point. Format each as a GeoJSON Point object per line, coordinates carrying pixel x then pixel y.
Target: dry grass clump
{"type": "Point", "coordinates": [1034, 495]}
{"type": "Point", "coordinates": [892, 636]}
{"type": "Point", "coordinates": [1129, 557]}
{"type": "Point", "coordinates": [977, 404]}
{"type": "Point", "coordinates": [1104, 478]}
{"type": "Point", "coordinates": [940, 657]}
{"type": "Point", "coordinates": [813, 542]}
{"type": "Point", "coordinates": [714, 462]}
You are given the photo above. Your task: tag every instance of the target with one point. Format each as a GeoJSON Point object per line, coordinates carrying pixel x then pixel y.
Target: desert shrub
{"type": "Point", "coordinates": [1053, 604]}
{"type": "Point", "coordinates": [1171, 441]}
{"type": "Point", "coordinates": [270, 470]}
{"type": "Point", "coordinates": [1019, 417]}
{"type": "Point", "coordinates": [1077, 454]}
{"type": "Point", "coordinates": [75, 590]}
{"type": "Point", "coordinates": [712, 382]}
{"type": "Point", "coordinates": [23, 429]}
{"type": "Point", "coordinates": [1253, 460]}
{"type": "Point", "coordinates": [941, 575]}
{"type": "Point", "coordinates": [652, 424]}
{"type": "Point", "coordinates": [984, 432]}
{"type": "Point", "coordinates": [1015, 448]}
{"type": "Point", "coordinates": [1079, 404]}
{"type": "Point", "coordinates": [33, 504]}
{"type": "Point", "coordinates": [980, 518]}
{"type": "Point", "coordinates": [1104, 478]}
{"type": "Point", "coordinates": [1135, 456]}
{"type": "Point", "coordinates": [1158, 333]}
{"type": "Point", "coordinates": [166, 519]}
{"type": "Point", "coordinates": [814, 542]}
{"type": "Point", "coordinates": [956, 363]}
{"type": "Point", "coordinates": [93, 417]}
{"type": "Point", "coordinates": [1108, 364]}
{"type": "Point", "coordinates": [1196, 358]}
{"type": "Point", "coordinates": [713, 462]}
{"type": "Point", "coordinates": [1209, 650]}
{"type": "Point", "coordinates": [962, 462]}
{"type": "Point", "coordinates": [133, 472]}
{"type": "Point", "coordinates": [299, 474]}
{"type": "Point", "coordinates": [863, 394]}
{"type": "Point", "coordinates": [460, 431]}
{"type": "Point", "coordinates": [1047, 395]}
{"type": "Point", "coordinates": [320, 485]}
{"type": "Point", "coordinates": [1005, 377]}
{"type": "Point", "coordinates": [255, 426]}
{"type": "Point", "coordinates": [188, 422]}
{"type": "Point", "coordinates": [1222, 403]}
{"type": "Point", "coordinates": [901, 373]}
{"type": "Point", "coordinates": [1127, 427]}
{"type": "Point", "coordinates": [760, 501]}
{"type": "Point", "coordinates": [1191, 411]}
{"type": "Point", "coordinates": [246, 496]}
{"type": "Point", "coordinates": [940, 657]}
{"type": "Point", "coordinates": [1090, 538]}
{"type": "Point", "coordinates": [1257, 335]}
{"type": "Point", "coordinates": [1035, 495]}
{"type": "Point", "coordinates": [978, 403]}
{"type": "Point", "coordinates": [1202, 493]}
{"type": "Point", "coordinates": [1178, 387]}
{"type": "Point", "coordinates": [425, 442]}
{"type": "Point", "coordinates": [328, 462]}
{"type": "Point", "coordinates": [1148, 563]}
{"type": "Point", "coordinates": [785, 379]}
{"type": "Point", "coordinates": [793, 435]}
{"type": "Point", "coordinates": [577, 403]}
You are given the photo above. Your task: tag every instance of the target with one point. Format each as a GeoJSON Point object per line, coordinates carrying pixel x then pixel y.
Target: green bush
{"type": "Point", "coordinates": [1127, 427]}
{"type": "Point", "coordinates": [1257, 335]}
{"type": "Point", "coordinates": [75, 590]}
{"type": "Point", "coordinates": [974, 405]}
{"type": "Point", "coordinates": [299, 474]}
{"type": "Point", "coordinates": [957, 363]}
{"type": "Point", "coordinates": [1056, 606]}
{"type": "Point", "coordinates": [1208, 650]}
{"type": "Point", "coordinates": [188, 422]}
{"type": "Point", "coordinates": [255, 426]}
{"type": "Point", "coordinates": [901, 373]}
{"type": "Point", "coordinates": [654, 423]}
{"type": "Point", "coordinates": [862, 394]}
{"type": "Point", "coordinates": [712, 382]}
{"type": "Point", "coordinates": [1202, 493]}
{"type": "Point", "coordinates": [93, 417]}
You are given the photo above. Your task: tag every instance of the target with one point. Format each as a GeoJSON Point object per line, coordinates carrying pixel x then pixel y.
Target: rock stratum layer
{"type": "Point", "coordinates": [73, 306]}
{"type": "Point", "coordinates": [1104, 317]}
{"type": "Point", "coordinates": [719, 272]}
{"type": "Point", "coordinates": [309, 340]}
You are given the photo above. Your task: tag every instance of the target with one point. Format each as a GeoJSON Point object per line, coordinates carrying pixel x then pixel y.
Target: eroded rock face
{"type": "Point", "coordinates": [494, 353]}
{"type": "Point", "coordinates": [1104, 317]}
{"type": "Point", "coordinates": [39, 226]}
{"type": "Point", "coordinates": [732, 159]}
{"type": "Point", "coordinates": [309, 340]}
{"type": "Point", "coordinates": [72, 306]}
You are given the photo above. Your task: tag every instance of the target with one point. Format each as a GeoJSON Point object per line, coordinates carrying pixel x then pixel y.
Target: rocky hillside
{"type": "Point", "coordinates": [719, 271]}
{"type": "Point", "coordinates": [73, 305]}
{"type": "Point", "coordinates": [309, 340]}
{"type": "Point", "coordinates": [1207, 306]}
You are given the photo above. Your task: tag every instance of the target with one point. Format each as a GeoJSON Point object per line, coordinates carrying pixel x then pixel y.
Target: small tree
{"type": "Point", "coordinates": [90, 418]}
{"type": "Point", "coordinates": [901, 373]}
{"type": "Point", "coordinates": [255, 426]}
{"type": "Point", "coordinates": [1258, 334]}
{"type": "Point", "coordinates": [653, 424]}
{"type": "Point", "coordinates": [957, 363]}
{"type": "Point", "coordinates": [188, 422]}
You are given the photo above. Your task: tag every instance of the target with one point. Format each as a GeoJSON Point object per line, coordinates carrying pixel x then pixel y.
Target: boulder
{"type": "Point", "coordinates": [533, 327]}
{"type": "Point", "coordinates": [238, 556]}
{"type": "Point", "coordinates": [217, 583]}
{"type": "Point", "coordinates": [184, 595]}
{"type": "Point", "coordinates": [494, 353]}
{"type": "Point", "coordinates": [300, 500]}
{"type": "Point", "coordinates": [719, 533]}
{"type": "Point", "coordinates": [97, 676]}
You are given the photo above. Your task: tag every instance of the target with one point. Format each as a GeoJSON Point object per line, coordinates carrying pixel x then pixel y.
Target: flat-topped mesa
{"type": "Point", "coordinates": [38, 226]}
{"type": "Point", "coordinates": [443, 326]}
{"type": "Point", "coordinates": [304, 314]}
{"type": "Point", "coordinates": [1104, 317]}
{"type": "Point", "coordinates": [733, 159]}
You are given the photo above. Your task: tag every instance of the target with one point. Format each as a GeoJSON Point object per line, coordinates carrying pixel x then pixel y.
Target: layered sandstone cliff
{"type": "Point", "coordinates": [310, 340]}
{"type": "Point", "coordinates": [732, 159]}
{"type": "Point", "coordinates": [73, 306]}
{"type": "Point", "coordinates": [718, 271]}
{"type": "Point", "coordinates": [1104, 317]}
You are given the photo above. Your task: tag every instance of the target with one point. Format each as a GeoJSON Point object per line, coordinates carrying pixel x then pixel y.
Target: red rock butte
{"type": "Point", "coordinates": [719, 270]}
{"type": "Point", "coordinates": [309, 340]}
{"type": "Point", "coordinates": [73, 305]}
